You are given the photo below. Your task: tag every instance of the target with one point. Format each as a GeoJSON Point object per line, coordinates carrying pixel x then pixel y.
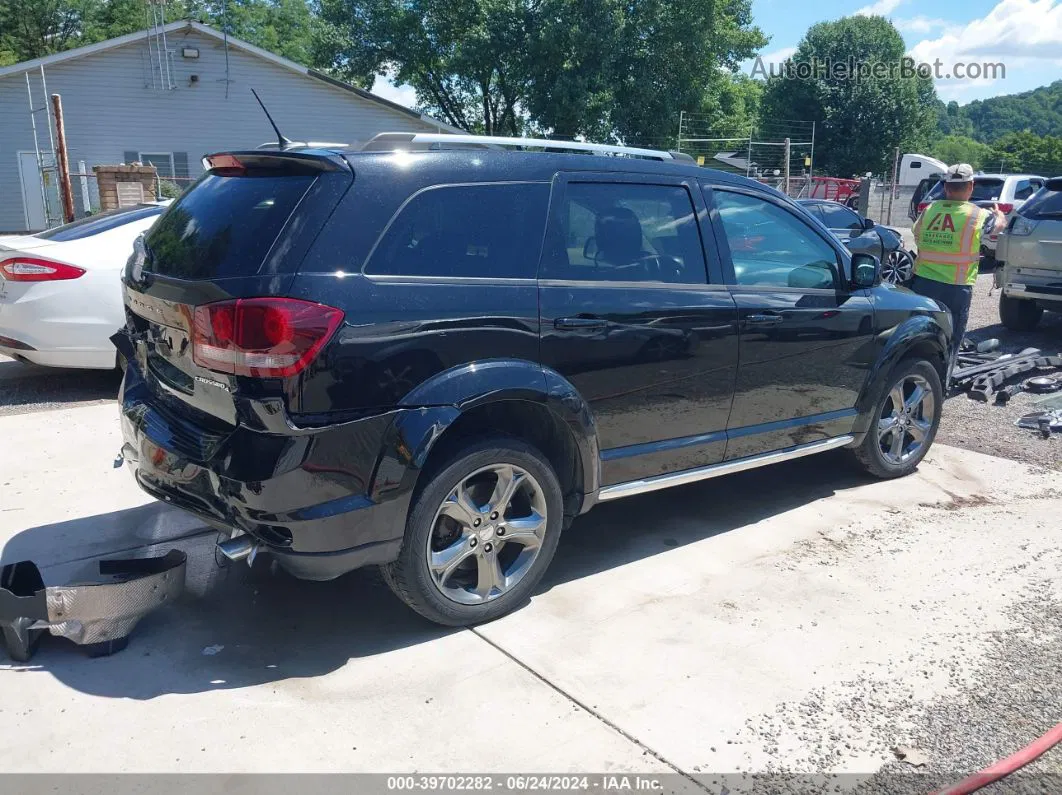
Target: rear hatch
{"type": "Point", "coordinates": [1034, 240]}
{"type": "Point", "coordinates": [207, 321]}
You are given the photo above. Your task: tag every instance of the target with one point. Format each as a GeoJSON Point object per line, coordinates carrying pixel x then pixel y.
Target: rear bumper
{"type": "Point", "coordinates": [62, 324]}
{"type": "Point", "coordinates": [308, 498]}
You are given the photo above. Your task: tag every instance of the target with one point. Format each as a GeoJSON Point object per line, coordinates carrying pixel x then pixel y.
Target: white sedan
{"type": "Point", "coordinates": [60, 290]}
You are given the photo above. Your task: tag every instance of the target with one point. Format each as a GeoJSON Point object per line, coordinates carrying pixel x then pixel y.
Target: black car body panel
{"type": "Point", "coordinates": [693, 350]}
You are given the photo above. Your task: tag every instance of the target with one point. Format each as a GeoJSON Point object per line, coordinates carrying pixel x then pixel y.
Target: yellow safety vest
{"type": "Point", "coordinates": [948, 234]}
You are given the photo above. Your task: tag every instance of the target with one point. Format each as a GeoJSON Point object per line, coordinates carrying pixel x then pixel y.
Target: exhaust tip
{"type": "Point", "coordinates": [238, 548]}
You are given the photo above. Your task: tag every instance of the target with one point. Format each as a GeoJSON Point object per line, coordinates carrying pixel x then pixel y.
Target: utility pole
{"type": "Point", "coordinates": [65, 193]}
{"type": "Point", "coordinates": [786, 166]}
{"type": "Point", "coordinates": [892, 187]}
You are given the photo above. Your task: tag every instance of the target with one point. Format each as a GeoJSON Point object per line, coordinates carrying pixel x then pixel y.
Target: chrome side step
{"type": "Point", "coordinates": [633, 487]}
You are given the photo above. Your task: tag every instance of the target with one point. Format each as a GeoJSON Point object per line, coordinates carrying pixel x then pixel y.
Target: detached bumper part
{"type": "Point", "coordinates": [98, 615]}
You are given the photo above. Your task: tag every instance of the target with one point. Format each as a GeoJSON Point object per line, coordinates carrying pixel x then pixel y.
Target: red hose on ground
{"type": "Point", "coordinates": [1005, 767]}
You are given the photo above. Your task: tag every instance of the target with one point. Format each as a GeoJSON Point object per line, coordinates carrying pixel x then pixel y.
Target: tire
{"type": "Point", "coordinates": [898, 267]}
{"type": "Point", "coordinates": [473, 469]}
{"type": "Point", "coordinates": [915, 426]}
{"type": "Point", "coordinates": [1019, 314]}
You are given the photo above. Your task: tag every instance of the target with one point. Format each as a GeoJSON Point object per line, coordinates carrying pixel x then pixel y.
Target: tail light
{"type": "Point", "coordinates": [922, 207]}
{"type": "Point", "coordinates": [34, 269]}
{"type": "Point", "coordinates": [1005, 207]}
{"type": "Point", "coordinates": [261, 337]}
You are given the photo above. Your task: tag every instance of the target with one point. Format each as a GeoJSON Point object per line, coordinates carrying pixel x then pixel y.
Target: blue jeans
{"type": "Point", "coordinates": [956, 297]}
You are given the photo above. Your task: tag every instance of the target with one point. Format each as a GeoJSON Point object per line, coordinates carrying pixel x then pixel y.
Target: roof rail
{"type": "Point", "coordinates": [394, 140]}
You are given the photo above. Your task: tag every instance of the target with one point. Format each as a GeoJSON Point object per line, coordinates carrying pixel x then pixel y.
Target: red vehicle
{"type": "Point", "coordinates": [834, 189]}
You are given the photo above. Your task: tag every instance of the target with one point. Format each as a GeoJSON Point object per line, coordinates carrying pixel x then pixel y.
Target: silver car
{"type": "Point", "coordinates": [1030, 250]}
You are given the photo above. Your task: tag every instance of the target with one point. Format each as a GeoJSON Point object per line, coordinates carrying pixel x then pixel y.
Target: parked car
{"type": "Point", "coordinates": [1030, 252]}
{"type": "Point", "coordinates": [60, 290]}
{"type": "Point", "coordinates": [1008, 192]}
{"type": "Point", "coordinates": [862, 236]}
{"type": "Point", "coordinates": [926, 184]}
{"type": "Point", "coordinates": [531, 285]}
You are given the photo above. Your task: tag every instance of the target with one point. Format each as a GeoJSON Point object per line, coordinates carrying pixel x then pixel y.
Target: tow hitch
{"type": "Point", "coordinates": [97, 615]}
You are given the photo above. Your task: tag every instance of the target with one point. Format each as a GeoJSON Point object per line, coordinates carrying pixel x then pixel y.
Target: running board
{"type": "Point", "coordinates": [633, 487]}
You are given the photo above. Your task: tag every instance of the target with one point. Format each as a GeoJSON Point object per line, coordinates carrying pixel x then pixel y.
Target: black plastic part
{"type": "Point", "coordinates": [106, 647]}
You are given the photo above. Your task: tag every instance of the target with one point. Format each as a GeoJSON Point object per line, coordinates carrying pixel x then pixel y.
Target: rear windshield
{"type": "Point", "coordinates": [1044, 204]}
{"type": "Point", "coordinates": [985, 190]}
{"type": "Point", "coordinates": [223, 226]}
{"type": "Point", "coordinates": [102, 222]}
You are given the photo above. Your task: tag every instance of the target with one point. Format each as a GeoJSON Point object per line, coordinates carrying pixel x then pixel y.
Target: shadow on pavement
{"type": "Point", "coordinates": [273, 627]}
{"type": "Point", "coordinates": [27, 387]}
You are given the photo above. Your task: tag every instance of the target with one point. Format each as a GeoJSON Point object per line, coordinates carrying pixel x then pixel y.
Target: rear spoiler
{"type": "Point", "coordinates": [281, 161]}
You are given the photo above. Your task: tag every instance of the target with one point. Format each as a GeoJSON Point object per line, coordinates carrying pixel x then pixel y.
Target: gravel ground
{"type": "Point", "coordinates": [25, 387]}
{"type": "Point", "coordinates": [988, 428]}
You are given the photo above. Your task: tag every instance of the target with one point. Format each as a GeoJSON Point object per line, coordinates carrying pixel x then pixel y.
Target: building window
{"type": "Point", "coordinates": [162, 161]}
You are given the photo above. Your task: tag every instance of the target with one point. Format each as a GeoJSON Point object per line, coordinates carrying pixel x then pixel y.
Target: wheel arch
{"type": "Point", "coordinates": [497, 397]}
{"type": "Point", "coordinates": [918, 337]}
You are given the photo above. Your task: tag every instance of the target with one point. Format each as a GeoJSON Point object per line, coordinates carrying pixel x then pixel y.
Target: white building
{"type": "Point", "coordinates": [168, 96]}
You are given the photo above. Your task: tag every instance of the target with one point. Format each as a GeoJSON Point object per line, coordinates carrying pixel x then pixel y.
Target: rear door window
{"type": "Point", "coordinates": [223, 226]}
{"type": "Point", "coordinates": [490, 231]}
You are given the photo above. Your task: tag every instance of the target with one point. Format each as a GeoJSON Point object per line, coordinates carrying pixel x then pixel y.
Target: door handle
{"type": "Point", "coordinates": [580, 323]}
{"type": "Point", "coordinates": [763, 319]}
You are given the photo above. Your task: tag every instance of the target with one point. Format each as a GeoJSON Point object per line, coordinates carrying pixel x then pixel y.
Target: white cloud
{"type": "Point", "coordinates": [880, 8]}
{"type": "Point", "coordinates": [920, 24]}
{"type": "Point", "coordinates": [403, 94]}
{"type": "Point", "coordinates": [767, 59]}
{"type": "Point", "coordinates": [1016, 33]}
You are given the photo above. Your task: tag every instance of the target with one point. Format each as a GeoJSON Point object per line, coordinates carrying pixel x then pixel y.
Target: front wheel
{"type": "Point", "coordinates": [898, 267]}
{"type": "Point", "coordinates": [480, 533]}
{"type": "Point", "coordinates": [905, 423]}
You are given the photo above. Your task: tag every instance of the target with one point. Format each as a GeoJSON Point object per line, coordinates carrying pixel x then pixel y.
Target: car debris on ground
{"type": "Point", "coordinates": [99, 616]}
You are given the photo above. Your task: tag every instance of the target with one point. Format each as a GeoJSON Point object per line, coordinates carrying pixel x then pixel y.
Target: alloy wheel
{"type": "Point", "coordinates": [487, 534]}
{"type": "Point", "coordinates": [906, 419]}
{"type": "Point", "coordinates": [898, 267]}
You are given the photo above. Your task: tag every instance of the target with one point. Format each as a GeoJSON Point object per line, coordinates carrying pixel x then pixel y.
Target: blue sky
{"type": "Point", "coordinates": [1024, 35]}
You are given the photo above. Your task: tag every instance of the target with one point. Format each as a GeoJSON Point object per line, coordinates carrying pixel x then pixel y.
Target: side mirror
{"type": "Point", "coordinates": [590, 248]}
{"type": "Point", "coordinates": [866, 270]}
{"type": "Point", "coordinates": [868, 224]}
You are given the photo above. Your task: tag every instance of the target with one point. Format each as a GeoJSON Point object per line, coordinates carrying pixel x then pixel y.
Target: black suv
{"type": "Point", "coordinates": [434, 358]}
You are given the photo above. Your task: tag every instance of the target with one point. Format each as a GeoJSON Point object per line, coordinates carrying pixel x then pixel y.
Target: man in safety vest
{"type": "Point", "coordinates": [948, 237]}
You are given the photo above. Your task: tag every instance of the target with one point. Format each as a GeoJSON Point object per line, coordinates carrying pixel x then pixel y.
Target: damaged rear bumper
{"type": "Point", "coordinates": [97, 615]}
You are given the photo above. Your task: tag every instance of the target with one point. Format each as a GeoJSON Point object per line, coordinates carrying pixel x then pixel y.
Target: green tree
{"type": "Point", "coordinates": [1026, 151]}
{"type": "Point", "coordinates": [862, 117]}
{"type": "Point", "coordinates": [35, 28]}
{"type": "Point", "coordinates": [607, 69]}
{"type": "Point", "coordinates": [961, 149]}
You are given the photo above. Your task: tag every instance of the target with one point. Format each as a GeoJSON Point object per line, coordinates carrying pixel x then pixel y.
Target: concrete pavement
{"type": "Point", "coordinates": [796, 618]}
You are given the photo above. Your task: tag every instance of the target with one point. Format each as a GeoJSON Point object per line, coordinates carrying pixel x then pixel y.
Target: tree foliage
{"type": "Point", "coordinates": [36, 28]}
{"type": "Point", "coordinates": [607, 69]}
{"type": "Point", "coordinates": [862, 117]}
{"type": "Point", "coordinates": [961, 149]}
{"type": "Point", "coordinates": [1039, 111]}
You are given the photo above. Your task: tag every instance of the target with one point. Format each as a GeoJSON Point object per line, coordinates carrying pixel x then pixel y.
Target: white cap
{"type": "Point", "coordinates": [959, 173]}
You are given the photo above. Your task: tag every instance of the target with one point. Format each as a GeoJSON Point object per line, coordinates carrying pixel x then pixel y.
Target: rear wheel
{"type": "Point", "coordinates": [480, 534]}
{"type": "Point", "coordinates": [1019, 314]}
{"type": "Point", "coordinates": [905, 422]}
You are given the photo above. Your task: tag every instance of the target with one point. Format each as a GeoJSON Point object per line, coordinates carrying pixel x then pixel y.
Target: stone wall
{"type": "Point", "coordinates": [108, 177]}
